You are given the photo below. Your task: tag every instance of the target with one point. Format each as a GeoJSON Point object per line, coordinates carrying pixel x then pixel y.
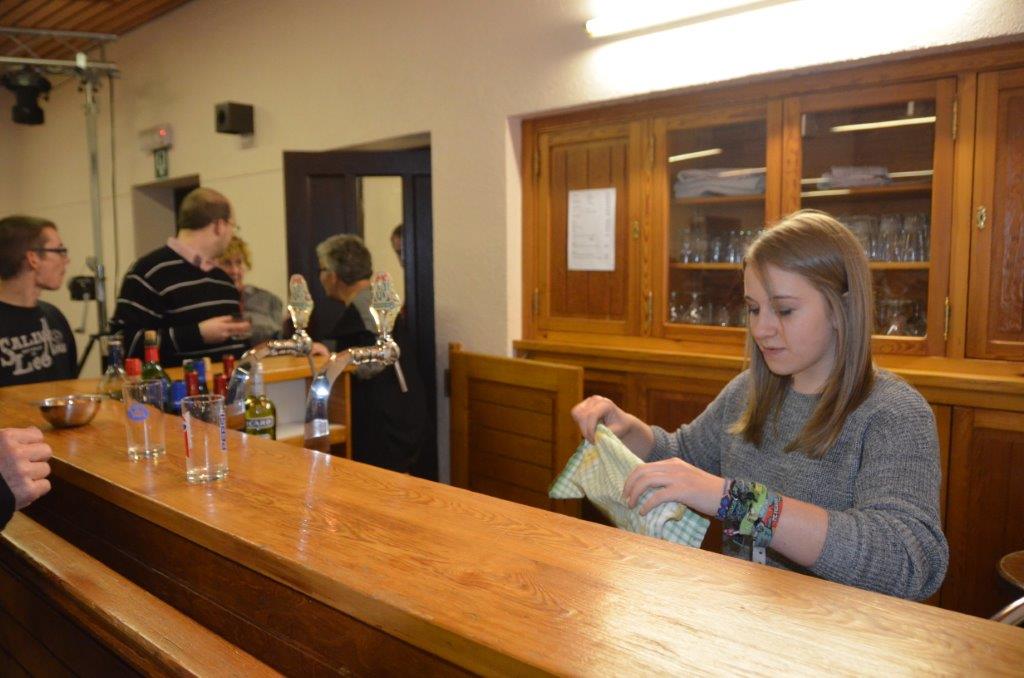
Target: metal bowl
{"type": "Point", "coordinates": [71, 410]}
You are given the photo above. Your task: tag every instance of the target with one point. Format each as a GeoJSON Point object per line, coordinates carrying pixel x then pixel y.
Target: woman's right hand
{"type": "Point", "coordinates": [637, 435]}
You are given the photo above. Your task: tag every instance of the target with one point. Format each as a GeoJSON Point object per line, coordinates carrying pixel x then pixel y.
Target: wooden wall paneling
{"type": "Point", "coordinates": [996, 307]}
{"type": "Point", "coordinates": [985, 494]}
{"type": "Point", "coordinates": [961, 219]}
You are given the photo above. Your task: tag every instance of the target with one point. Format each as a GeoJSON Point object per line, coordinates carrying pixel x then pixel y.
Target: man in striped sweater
{"type": "Point", "coordinates": [179, 290]}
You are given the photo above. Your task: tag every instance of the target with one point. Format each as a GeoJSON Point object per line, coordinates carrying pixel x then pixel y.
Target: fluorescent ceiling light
{"type": "Point", "coordinates": [899, 122]}
{"type": "Point", "coordinates": [657, 15]}
{"type": "Point", "coordinates": [695, 154]}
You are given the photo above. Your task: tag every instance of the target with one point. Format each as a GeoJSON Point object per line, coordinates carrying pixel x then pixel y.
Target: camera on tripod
{"type": "Point", "coordinates": [82, 288]}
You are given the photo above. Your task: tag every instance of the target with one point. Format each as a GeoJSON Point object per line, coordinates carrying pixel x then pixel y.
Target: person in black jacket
{"type": "Point", "coordinates": [389, 426]}
{"type": "Point", "coordinates": [179, 290]}
{"type": "Point", "coordinates": [36, 343]}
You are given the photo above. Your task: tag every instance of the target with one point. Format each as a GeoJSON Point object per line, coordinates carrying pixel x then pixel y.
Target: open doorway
{"type": "Point", "coordinates": [155, 209]}
{"type": "Point", "coordinates": [369, 192]}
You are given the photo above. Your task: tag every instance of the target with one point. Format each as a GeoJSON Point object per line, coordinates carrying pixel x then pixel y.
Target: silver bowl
{"type": "Point", "coordinates": [71, 410]}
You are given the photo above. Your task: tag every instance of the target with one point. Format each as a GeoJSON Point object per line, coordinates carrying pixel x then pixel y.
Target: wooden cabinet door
{"type": "Point", "coordinates": [599, 301]}
{"type": "Point", "coordinates": [880, 160]}
{"type": "Point", "coordinates": [985, 501]}
{"type": "Point", "coordinates": [995, 310]}
{"type": "Point", "coordinates": [671, 402]}
{"type": "Point", "coordinates": [716, 183]}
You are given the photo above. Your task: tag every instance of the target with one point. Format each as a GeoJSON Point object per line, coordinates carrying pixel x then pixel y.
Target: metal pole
{"type": "Point", "coordinates": [91, 111]}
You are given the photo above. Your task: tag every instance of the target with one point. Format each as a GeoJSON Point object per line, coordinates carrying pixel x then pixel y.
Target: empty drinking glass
{"type": "Point", "coordinates": [694, 311]}
{"type": "Point", "coordinates": [890, 247]}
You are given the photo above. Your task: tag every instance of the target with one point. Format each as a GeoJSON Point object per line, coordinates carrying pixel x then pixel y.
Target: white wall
{"type": "Point", "coordinates": [382, 211]}
{"type": "Point", "coordinates": [325, 74]}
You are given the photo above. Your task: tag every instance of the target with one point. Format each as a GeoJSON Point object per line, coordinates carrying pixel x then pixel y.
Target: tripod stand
{"type": "Point", "coordinates": [89, 288]}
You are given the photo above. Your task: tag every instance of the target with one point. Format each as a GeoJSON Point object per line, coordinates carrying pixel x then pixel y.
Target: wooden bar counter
{"type": "Point", "coordinates": [315, 564]}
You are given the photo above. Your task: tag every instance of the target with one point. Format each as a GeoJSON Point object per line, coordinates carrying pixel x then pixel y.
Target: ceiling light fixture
{"type": "Point", "coordinates": [695, 154]}
{"type": "Point", "coordinates": [881, 124]}
{"type": "Point", "coordinates": [635, 17]}
{"type": "Point", "coordinates": [28, 85]}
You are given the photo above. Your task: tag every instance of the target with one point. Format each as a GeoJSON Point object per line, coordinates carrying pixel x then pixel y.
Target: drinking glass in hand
{"type": "Point", "coordinates": [206, 438]}
{"type": "Point", "coordinates": [144, 417]}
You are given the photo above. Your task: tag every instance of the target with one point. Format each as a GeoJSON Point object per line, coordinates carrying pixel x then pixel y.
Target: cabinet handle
{"type": "Point", "coordinates": [649, 315]}
{"type": "Point", "coordinates": [981, 217]}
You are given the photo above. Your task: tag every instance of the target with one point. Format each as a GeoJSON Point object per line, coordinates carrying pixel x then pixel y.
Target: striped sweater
{"type": "Point", "coordinates": [162, 291]}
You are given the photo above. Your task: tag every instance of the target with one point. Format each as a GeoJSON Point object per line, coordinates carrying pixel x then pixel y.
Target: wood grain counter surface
{"type": "Point", "coordinates": [499, 588]}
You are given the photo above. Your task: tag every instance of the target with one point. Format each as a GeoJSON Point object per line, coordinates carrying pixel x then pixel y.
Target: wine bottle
{"type": "Point", "coordinates": [260, 413]}
{"type": "Point", "coordinates": [151, 368]}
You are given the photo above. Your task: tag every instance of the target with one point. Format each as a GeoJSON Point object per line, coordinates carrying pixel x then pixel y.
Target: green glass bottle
{"type": "Point", "coordinates": [151, 368]}
{"type": "Point", "coordinates": [260, 413]}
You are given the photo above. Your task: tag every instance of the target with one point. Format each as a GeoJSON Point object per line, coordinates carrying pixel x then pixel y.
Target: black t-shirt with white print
{"type": "Point", "coordinates": [36, 344]}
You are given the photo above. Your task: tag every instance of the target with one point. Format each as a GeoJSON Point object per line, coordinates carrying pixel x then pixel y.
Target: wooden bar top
{"type": "Point", "coordinates": [499, 588]}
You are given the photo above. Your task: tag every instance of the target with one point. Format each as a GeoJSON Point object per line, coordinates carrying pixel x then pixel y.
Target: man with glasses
{"type": "Point", "coordinates": [36, 343]}
{"type": "Point", "coordinates": [179, 290]}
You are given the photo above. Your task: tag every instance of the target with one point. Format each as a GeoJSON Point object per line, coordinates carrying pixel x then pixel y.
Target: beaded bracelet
{"type": "Point", "coordinates": [752, 508]}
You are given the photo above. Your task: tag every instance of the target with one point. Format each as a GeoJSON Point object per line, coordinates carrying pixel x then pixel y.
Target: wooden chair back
{"type": "Point", "coordinates": [511, 431]}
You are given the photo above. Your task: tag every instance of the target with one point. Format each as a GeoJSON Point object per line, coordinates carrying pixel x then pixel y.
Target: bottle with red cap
{"type": "Point", "coordinates": [229, 365]}
{"type": "Point", "coordinates": [132, 369]}
{"type": "Point", "coordinates": [220, 384]}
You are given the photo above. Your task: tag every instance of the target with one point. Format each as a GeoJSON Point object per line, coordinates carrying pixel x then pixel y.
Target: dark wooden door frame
{"type": "Point", "coordinates": [312, 182]}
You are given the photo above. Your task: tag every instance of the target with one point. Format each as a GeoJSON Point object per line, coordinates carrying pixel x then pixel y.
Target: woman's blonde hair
{"type": "Point", "coordinates": [237, 248]}
{"type": "Point", "coordinates": [823, 251]}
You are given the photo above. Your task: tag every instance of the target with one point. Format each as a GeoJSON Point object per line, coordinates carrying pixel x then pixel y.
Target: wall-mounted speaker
{"type": "Point", "coordinates": [232, 118]}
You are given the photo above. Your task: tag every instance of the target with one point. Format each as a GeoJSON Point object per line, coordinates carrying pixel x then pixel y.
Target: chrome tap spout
{"type": "Point", "coordinates": [317, 429]}
{"type": "Point", "coordinates": [370, 360]}
{"type": "Point", "coordinates": [300, 306]}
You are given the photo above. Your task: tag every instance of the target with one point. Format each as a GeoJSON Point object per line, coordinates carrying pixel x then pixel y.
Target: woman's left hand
{"type": "Point", "coordinates": [673, 480]}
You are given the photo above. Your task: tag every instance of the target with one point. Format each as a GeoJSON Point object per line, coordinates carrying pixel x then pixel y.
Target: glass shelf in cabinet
{"type": "Point", "coordinates": [706, 266]}
{"type": "Point", "coordinates": [899, 265]}
{"type": "Point", "coordinates": [719, 199]}
{"type": "Point", "coordinates": [917, 187]}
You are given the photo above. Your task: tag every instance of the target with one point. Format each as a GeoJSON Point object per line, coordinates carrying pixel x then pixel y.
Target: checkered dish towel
{"type": "Point", "coordinates": [599, 472]}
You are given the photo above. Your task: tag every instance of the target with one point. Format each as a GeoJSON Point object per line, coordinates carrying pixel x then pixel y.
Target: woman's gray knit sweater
{"type": "Point", "coordinates": [879, 482]}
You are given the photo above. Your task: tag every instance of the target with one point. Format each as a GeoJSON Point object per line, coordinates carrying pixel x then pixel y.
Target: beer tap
{"type": "Point", "coordinates": [384, 308]}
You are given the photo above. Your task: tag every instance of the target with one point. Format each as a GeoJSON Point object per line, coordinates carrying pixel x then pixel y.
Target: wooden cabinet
{"type": "Point", "coordinates": [985, 500]}
{"type": "Point", "coordinates": [996, 305]}
{"type": "Point", "coordinates": [923, 161]}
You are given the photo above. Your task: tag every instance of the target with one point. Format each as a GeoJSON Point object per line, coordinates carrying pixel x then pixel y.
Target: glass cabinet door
{"type": "Point", "coordinates": [716, 188]}
{"type": "Point", "coordinates": [880, 161]}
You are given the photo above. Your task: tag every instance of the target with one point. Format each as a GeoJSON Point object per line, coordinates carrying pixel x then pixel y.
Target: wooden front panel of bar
{"type": "Point", "coordinates": [319, 564]}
